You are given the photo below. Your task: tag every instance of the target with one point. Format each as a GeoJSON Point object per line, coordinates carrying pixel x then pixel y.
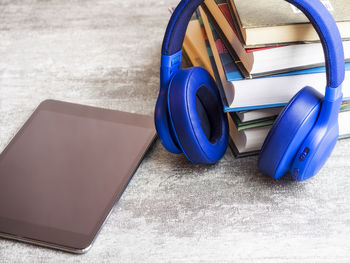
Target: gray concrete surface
{"type": "Point", "coordinates": [106, 53]}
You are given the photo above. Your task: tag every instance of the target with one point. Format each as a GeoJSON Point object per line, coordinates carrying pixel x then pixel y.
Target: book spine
{"type": "Point", "coordinates": [235, 18]}
{"type": "Point", "coordinates": [243, 59]}
{"type": "Point", "coordinates": [226, 88]}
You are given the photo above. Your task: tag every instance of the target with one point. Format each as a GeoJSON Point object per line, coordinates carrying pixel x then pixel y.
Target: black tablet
{"type": "Point", "coordinates": [62, 173]}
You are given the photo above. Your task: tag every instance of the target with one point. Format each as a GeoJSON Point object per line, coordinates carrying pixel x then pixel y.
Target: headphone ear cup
{"type": "Point", "coordinates": [315, 150]}
{"type": "Point", "coordinates": [197, 115]}
{"type": "Point", "coordinates": [163, 125]}
{"type": "Point", "coordinates": [288, 132]}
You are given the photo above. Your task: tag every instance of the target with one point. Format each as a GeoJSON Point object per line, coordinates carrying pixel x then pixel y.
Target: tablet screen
{"type": "Point", "coordinates": [65, 169]}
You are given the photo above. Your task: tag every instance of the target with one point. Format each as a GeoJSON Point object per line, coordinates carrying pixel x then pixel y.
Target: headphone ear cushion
{"type": "Point", "coordinates": [197, 115]}
{"type": "Point", "coordinates": [288, 132]}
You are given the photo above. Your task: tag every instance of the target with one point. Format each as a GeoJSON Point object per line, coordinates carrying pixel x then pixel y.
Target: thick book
{"type": "Point", "coordinates": [276, 22]}
{"type": "Point", "coordinates": [252, 115]}
{"type": "Point", "coordinates": [267, 120]}
{"type": "Point", "coordinates": [282, 59]}
{"type": "Point", "coordinates": [194, 45]}
{"type": "Point", "coordinates": [249, 141]}
{"type": "Point", "coordinates": [240, 125]}
{"type": "Point", "coordinates": [242, 94]}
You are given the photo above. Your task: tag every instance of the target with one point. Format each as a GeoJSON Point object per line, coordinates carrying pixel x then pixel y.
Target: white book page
{"type": "Point", "coordinates": [293, 56]}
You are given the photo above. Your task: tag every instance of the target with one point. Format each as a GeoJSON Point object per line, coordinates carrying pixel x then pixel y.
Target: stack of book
{"type": "Point", "coordinates": [261, 53]}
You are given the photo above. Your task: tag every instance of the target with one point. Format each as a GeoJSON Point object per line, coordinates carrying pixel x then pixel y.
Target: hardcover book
{"type": "Point", "coordinates": [274, 22]}
{"type": "Point", "coordinates": [194, 45]}
{"type": "Point", "coordinates": [246, 142]}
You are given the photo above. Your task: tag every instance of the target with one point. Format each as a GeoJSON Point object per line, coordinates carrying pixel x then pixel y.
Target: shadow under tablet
{"type": "Point", "coordinates": [62, 173]}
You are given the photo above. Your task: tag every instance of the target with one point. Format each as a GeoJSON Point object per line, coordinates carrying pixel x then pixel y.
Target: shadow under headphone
{"type": "Point", "coordinates": [189, 113]}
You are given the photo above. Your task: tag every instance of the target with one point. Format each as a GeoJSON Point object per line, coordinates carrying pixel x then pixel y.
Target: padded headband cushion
{"type": "Point", "coordinates": [176, 30]}
{"type": "Point", "coordinates": [316, 12]}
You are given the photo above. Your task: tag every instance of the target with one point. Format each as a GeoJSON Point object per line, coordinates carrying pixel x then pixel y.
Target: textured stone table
{"type": "Point", "coordinates": [106, 54]}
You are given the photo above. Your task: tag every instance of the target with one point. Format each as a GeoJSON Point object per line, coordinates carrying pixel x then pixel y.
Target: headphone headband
{"type": "Point", "coordinates": [176, 29]}
{"type": "Point", "coordinates": [316, 12]}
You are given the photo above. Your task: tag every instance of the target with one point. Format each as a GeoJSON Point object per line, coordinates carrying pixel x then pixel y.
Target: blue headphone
{"type": "Point", "coordinates": [189, 113]}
